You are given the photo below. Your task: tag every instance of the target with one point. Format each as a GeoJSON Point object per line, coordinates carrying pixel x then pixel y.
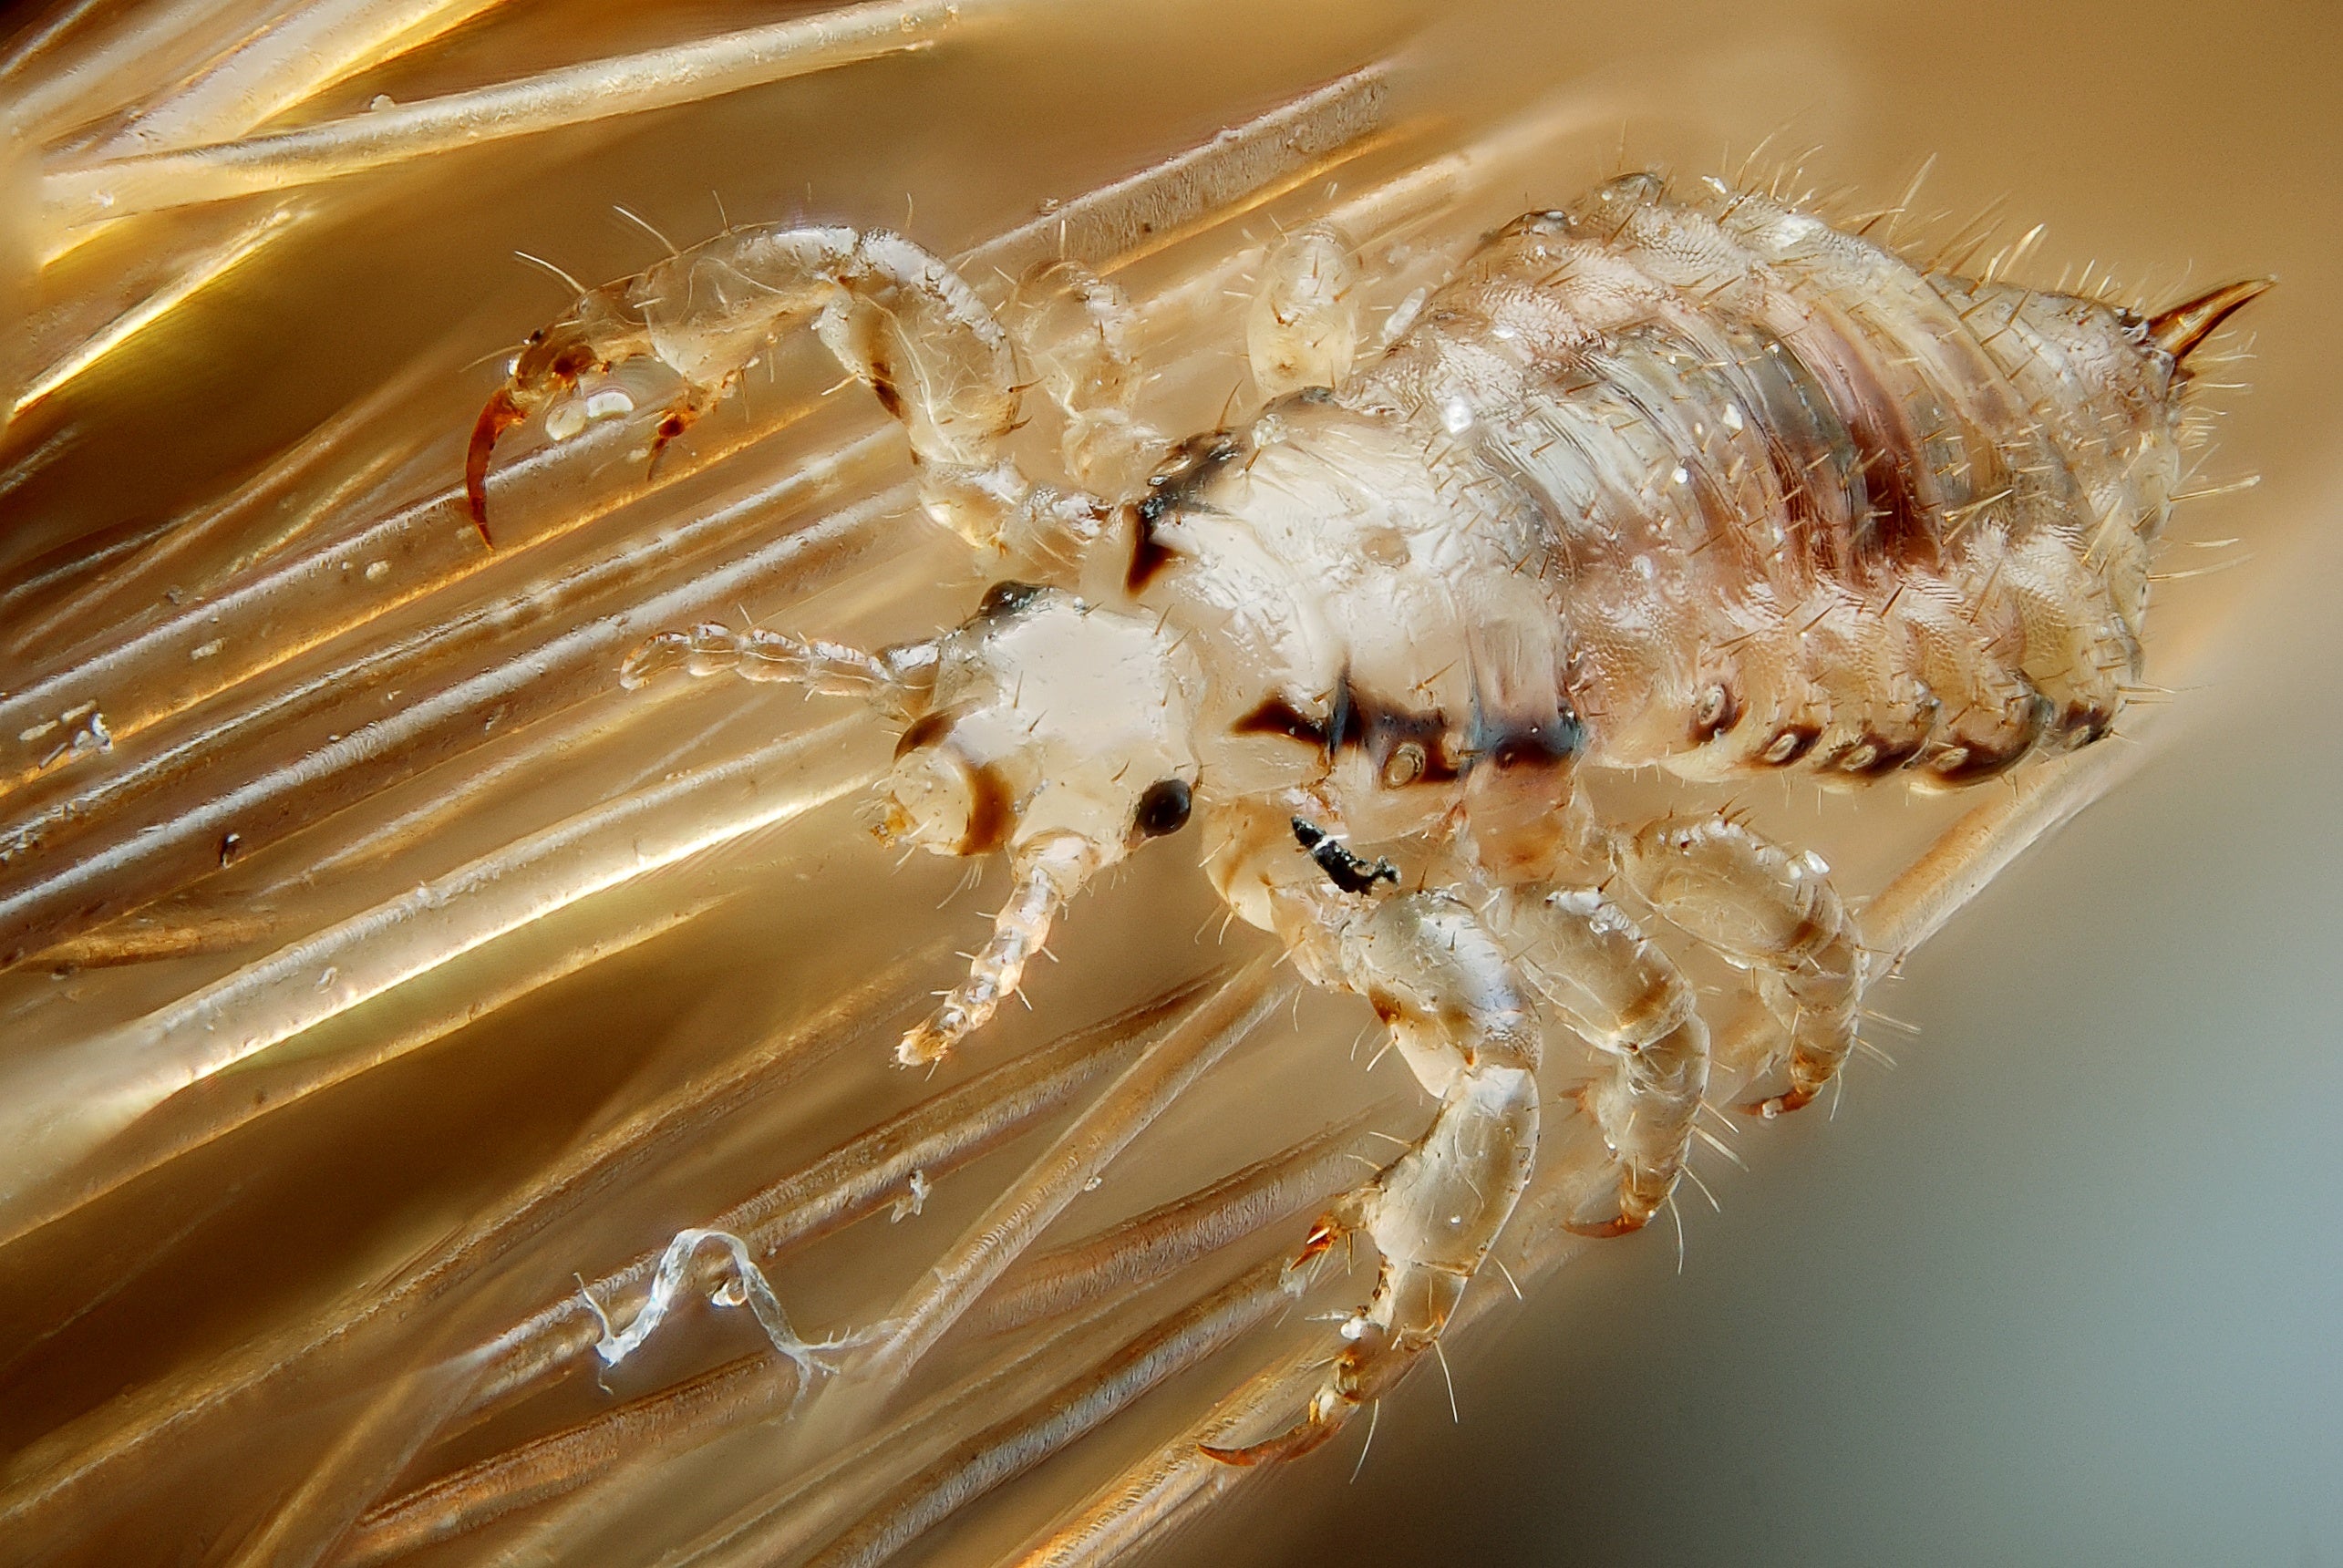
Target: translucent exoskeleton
{"type": "Point", "coordinates": [1677, 478]}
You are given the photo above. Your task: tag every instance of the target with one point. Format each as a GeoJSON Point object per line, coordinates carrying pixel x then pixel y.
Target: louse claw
{"type": "Point", "coordinates": [1605, 1230]}
{"type": "Point", "coordinates": [677, 418]}
{"type": "Point", "coordinates": [1305, 1436]}
{"type": "Point", "coordinates": [1780, 1104]}
{"type": "Point", "coordinates": [500, 415]}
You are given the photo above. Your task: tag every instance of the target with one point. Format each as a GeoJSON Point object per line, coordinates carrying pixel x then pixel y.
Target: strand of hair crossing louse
{"type": "Point", "coordinates": [1674, 477]}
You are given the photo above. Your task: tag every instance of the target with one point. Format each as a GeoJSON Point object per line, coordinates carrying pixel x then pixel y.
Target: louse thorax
{"type": "Point", "coordinates": [1049, 718]}
{"type": "Point", "coordinates": [1361, 626]}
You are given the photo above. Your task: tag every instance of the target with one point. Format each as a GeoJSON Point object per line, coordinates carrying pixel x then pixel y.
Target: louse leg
{"type": "Point", "coordinates": [1457, 1013]}
{"type": "Point", "coordinates": [1460, 1016]}
{"type": "Point", "coordinates": [1769, 911]}
{"type": "Point", "coordinates": [1624, 996]}
{"type": "Point", "coordinates": [1303, 329]}
{"type": "Point", "coordinates": [1078, 329]}
{"type": "Point", "coordinates": [896, 317]}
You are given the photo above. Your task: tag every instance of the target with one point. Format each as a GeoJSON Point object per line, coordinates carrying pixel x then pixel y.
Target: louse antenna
{"type": "Point", "coordinates": [1043, 879]}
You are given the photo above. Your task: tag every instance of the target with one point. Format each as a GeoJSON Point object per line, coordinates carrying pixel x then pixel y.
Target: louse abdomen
{"type": "Point", "coordinates": [1805, 504]}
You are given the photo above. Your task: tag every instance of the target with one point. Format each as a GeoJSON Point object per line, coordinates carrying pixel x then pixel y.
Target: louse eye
{"type": "Point", "coordinates": [1164, 808]}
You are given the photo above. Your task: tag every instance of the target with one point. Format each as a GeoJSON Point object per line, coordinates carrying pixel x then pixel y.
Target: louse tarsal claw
{"type": "Point", "coordinates": [503, 412]}
{"type": "Point", "coordinates": [1329, 1409]}
{"type": "Point", "coordinates": [549, 365]}
{"type": "Point", "coordinates": [1368, 1367]}
{"type": "Point", "coordinates": [1780, 1104]}
{"type": "Point", "coordinates": [1605, 1229]}
{"type": "Point", "coordinates": [1305, 1436]}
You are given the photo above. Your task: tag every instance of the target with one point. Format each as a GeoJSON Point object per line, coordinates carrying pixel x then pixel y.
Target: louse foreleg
{"type": "Point", "coordinates": [1770, 911]}
{"type": "Point", "coordinates": [1459, 1014]}
{"type": "Point", "coordinates": [1624, 996]}
{"type": "Point", "coordinates": [895, 316]}
{"type": "Point", "coordinates": [1303, 329]}
{"type": "Point", "coordinates": [895, 680]}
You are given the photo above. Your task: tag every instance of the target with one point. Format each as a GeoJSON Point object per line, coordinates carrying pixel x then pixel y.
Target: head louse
{"type": "Point", "coordinates": [1798, 504]}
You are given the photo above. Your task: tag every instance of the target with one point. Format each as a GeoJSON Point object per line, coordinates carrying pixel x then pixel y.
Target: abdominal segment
{"type": "Point", "coordinates": [1801, 503]}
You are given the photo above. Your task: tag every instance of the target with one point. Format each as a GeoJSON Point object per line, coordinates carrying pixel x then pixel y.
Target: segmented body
{"type": "Point", "coordinates": [1751, 493]}
{"type": "Point", "coordinates": [1690, 478]}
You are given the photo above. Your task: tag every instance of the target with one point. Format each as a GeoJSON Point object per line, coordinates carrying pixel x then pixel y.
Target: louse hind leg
{"type": "Point", "coordinates": [1769, 911]}
{"type": "Point", "coordinates": [1303, 329]}
{"type": "Point", "coordinates": [1459, 1014]}
{"type": "Point", "coordinates": [1626, 997]}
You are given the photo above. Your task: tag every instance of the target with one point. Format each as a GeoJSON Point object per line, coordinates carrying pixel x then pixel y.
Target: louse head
{"type": "Point", "coordinates": [1050, 718]}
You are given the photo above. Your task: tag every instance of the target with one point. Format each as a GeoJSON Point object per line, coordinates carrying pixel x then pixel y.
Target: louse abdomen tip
{"type": "Point", "coordinates": [2181, 330]}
